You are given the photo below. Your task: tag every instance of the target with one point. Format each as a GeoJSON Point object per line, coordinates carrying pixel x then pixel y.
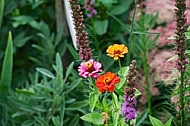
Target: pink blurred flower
{"type": "Point", "coordinates": [165, 8]}
{"type": "Point", "coordinates": [89, 68]}
{"type": "Point", "coordinates": [163, 68]}
{"type": "Point", "coordinates": [165, 33]}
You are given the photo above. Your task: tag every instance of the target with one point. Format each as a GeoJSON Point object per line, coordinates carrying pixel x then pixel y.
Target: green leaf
{"type": "Point", "coordinates": [69, 69]}
{"type": "Point", "coordinates": [41, 121]}
{"type": "Point", "coordinates": [22, 20]}
{"type": "Point", "coordinates": [155, 121]}
{"type": "Point", "coordinates": [59, 36]}
{"type": "Point", "coordinates": [121, 8]}
{"type": "Point", "coordinates": [187, 34]}
{"type": "Point", "coordinates": [57, 100]}
{"type": "Point", "coordinates": [45, 72]}
{"type": "Point", "coordinates": [39, 108]}
{"type": "Point", "coordinates": [75, 120]}
{"type": "Point", "coordinates": [123, 71]}
{"type": "Point", "coordinates": [59, 64]}
{"type": "Point", "coordinates": [29, 91]}
{"type": "Point", "coordinates": [95, 118]}
{"type": "Point", "coordinates": [56, 121]}
{"type": "Point", "coordinates": [115, 116]}
{"type": "Point", "coordinates": [93, 98]}
{"type": "Point", "coordinates": [73, 85]}
{"type": "Point", "coordinates": [168, 123]}
{"type": "Point", "coordinates": [20, 39]}
{"type": "Point", "coordinates": [119, 21]}
{"type": "Point", "coordinates": [137, 92]}
{"type": "Point", "coordinates": [73, 52]}
{"type": "Point", "coordinates": [77, 105]}
{"type": "Point", "coordinates": [121, 83]}
{"type": "Point", "coordinates": [62, 111]}
{"type": "Point", "coordinates": [17, 114]}
{"type": "Point", "coordinates": [46, 88]}
{"type": "Point", "coordinates": [2, 4]}
{"type": "Point", "coordinates": [141, 118]}
{"type": "Point", "coordinates": [6, 74]}
{"type": "Point", "coordinates": [115, 100]}
{"type": "Point", "coordinates": [101, 27]}
{"type": "Point", "coordinates": [28, 123]}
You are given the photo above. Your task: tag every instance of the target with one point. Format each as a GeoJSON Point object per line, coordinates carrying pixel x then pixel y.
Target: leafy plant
{"type": "Point", "coordinates": [50, 99]}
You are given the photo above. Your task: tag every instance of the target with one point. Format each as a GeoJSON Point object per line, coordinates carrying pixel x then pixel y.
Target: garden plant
{"type": "Point", "coordinates": [94, 63]}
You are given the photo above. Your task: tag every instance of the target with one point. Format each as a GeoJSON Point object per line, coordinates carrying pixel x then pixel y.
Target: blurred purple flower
{"type": "Point", "coordinates": [91, 11]}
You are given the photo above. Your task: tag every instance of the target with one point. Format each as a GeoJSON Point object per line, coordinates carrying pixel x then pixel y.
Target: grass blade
{"type": "Point", "coordinates": [6, 74]}
{"type": "Point", "coordinates": [2, 4]}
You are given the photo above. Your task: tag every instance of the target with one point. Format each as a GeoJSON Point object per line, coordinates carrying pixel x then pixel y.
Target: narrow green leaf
{"type": "Point", "coordinates": [2, 4]}
{"type": "Point", "coordinates": [115, 116]}
{"type": "Point", "coordinates": [115, 100]}
{"type": "Point", "coordinates": [69, 69]}
{"type": "Point", "coordinates": [39, 108]}
{"type": "Point", "coordinates": [17, 114]}
{"type": "Point", "coordinates": [95, 118]}
{"type": "Point", "coordinates": [59, 64]}
{"type": "Point", "coordinates": [57, 100]}
{"type": "Point", "coordinates": [75, 120]}
{"type": "Point", "coordinates": [6, 74]}
{"type": "Point", "coordinates": [73, 52]}
{"type": "Point", "coordinates": [41, 121]}
{"type": "Point", "coordinates": [141, 118]}
{"type": "Point", "coordinates": [59, 35]}
{"type": "Point", "coordinates": [62, 111]}
{"type": "Point", "coordinates": [77, 105]}
{"type": "Point", "coordinates": [56, 121]}
{"type": "Point", "coordinates": [28, 123]}
{"type": "Point", "coordinates": [46, 72]}
{"type": "Point", "coordinates": [73, 85]}
{"type": "Point", "coordinates": [46, 88]}
{"type": "Point", "coordinates": [155, 121]}
{"type": "Point", "coordinates": [168, 123]}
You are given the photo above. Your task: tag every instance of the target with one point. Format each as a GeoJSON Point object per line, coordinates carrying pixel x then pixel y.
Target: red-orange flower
{"type": "Point", "coordinates": [107, 82]}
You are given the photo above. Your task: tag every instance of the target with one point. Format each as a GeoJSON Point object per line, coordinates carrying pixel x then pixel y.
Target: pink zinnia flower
{"type": "Point", "coordinates": [89, 68]}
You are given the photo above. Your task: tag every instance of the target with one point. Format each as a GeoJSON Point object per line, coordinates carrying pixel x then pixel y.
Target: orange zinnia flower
{"type": "Point", "coordinates": [107, 82]}
{"type": "Point", "coordinates": [117, 50]}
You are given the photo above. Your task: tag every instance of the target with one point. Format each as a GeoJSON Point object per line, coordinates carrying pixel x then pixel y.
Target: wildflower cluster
{"type": "Point", "coordinates": [128, 107]}
{"type": "Point", "coordinates": [89, 5]}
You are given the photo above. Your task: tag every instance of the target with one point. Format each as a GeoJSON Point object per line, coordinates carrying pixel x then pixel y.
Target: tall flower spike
{"type": "Point", "coordinates": [81, 35]}
{"type": "Point", "coordinates": [128, 107]}
{"type": "Point", "coordinates": [180, 35]}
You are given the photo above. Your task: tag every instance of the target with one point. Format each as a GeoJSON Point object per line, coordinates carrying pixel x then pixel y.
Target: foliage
{"type": "Point", "coordinates": [49, 100]}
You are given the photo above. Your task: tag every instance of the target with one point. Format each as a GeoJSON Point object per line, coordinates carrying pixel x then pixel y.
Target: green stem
{"type": "Point", "coordinates": [147, 88]}
{"type": "Point", "coordinates": [181, 87]}
{"type": "Point", "coordinates": [131, 30]}
{"type": "Point", "coordinates": [119, 62]}
{"type": "Point", "coordinates": [146, 69]}
{"type": "Point", "coordinates": [95, 35]}
{"type": "Point", "coordinates": [116, 108]}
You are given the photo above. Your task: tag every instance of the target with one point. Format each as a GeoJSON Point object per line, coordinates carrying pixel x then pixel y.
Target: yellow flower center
{"type": "Point", "coordinates": [107, 80]}
{"type": "Point", "coordinates": [88, 64]}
